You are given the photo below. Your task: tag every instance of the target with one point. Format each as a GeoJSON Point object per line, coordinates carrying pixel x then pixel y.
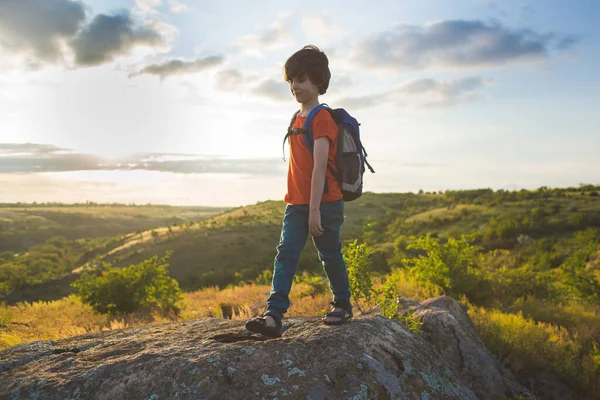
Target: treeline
{"type": "Point", "coordinates": [21, 228]}
{"type": "Point", "coordinates": [495, 220]}
{"type": "Point", "coordinates": [52, 204]}
{"type": "Point", "coordinates": [53, 259]}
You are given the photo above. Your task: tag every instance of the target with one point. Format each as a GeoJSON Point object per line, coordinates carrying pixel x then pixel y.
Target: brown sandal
{"type": "Point", "coordinates": [344, 316]}
{"type": "Point", "coordinates": [259, 325]}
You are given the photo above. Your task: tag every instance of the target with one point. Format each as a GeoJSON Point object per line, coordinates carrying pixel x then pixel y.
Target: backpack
{"type": "Point", "coordinates": [351, 156]}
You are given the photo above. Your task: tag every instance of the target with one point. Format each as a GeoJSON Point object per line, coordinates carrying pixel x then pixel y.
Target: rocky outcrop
{"type": "Point", "coordinates": [370, 358]}
{"type": "Point", "coordinates": [448, 328]}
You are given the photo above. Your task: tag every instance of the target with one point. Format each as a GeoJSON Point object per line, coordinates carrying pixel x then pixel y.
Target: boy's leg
{"type": "Point", "coordinates": [294, 233]}
{"type": "Point", "coordinates": [329, 247]}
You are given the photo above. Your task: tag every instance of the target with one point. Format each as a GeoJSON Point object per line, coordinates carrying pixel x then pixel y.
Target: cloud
{"type": "Point", "coordinates": [145, 7]}
{"type": "Point", "coordinates": [29, 157]}
{"type": "Point", "coordinates": [368, 101]}
{"type": "Point", "coordinates": [432, 93]}
{"type": "Point", "coordinates": [181, 67]}
{"type": "Point", "coordinates": [422, 93]}
{"type": "Point", "coordinates": [29, 149]}
{"type": "Point", "coordinates": [39, 28]}
{"type": "Point", "coordinates": [177, 7]}
{"type": "Point", "coordinates": [273, 90]}
{"type": "Point", "coordinates": [34, 33]}
{"type": "Point", "coordinates": [319, 28]}
{"type": "Point", "coordinates": [109, 36]}
{"type": "Point", "coordinates": [230, 80]}
{"type": "Point", "coordinates": [234, 80]}
{"type": "Point", "coordinates": [277, 36]}
{"type": "Point", "coordinates": [342, 81]}
{"type": "Point", "coordinates": [455, 44]}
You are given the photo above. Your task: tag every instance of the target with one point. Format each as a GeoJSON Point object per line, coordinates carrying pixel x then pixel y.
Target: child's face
{"type": "Point", "coordinates": [303, 89]}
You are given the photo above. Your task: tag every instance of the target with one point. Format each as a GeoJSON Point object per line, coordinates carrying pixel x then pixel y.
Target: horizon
{"type": "Point", "coordinates": [186, 105]}
{"type": "Point", "coordinates": [581, 186]}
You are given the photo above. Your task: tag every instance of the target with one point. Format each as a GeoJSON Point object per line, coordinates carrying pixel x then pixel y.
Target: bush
{"type": "Point", "coordinates": [6, 315]}
{"type": "Point", "coordinates": [412, 322]}
{"type": "Point", "coordinates": [140, 287]}
{"type": "Point", "coordinates": [360, 271]}
{"type": "Point", "coordinates": [525, 344]}
{"type": "Point", "coordinates": [451, 266]}
{"type": "Point", "coordinates": [358, 262]}
{"type": "Point", "coordinates": [388, 297]}
{"type": "Point", "coordinates": [316, 285]}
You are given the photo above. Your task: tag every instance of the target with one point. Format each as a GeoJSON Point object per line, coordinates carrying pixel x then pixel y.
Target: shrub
{"type": "Point", "coordinates": [358, 262]}
{"type": "Point", "coordinates": [138, 287]}
{"type": "Point", "coordinates": [412, 322]}
{"type": "Point", "coordinates": [388, 297]}
{"type": "Point", "coordinates": [316, 285]}
{"type": "Point", "coordinates": [525, 344]}
{"type": "Point", "coordinates": [360, 270]}
{"type": "Point", "coordinates": [6, 315]}
{"type": "Point", "coordinates": [451, 266]}
{"type": "Point", "coordinates": [265, 277]}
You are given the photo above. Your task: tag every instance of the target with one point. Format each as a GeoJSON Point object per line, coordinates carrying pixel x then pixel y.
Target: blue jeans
{"type": "Point", "coordinates": [294, 233]}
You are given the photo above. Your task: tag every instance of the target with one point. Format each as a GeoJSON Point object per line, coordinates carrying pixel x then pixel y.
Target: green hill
{"type": "Point", "coordinates": [239, 245]}
{"type": "Point", "coordinates": [525, 263]}
{"type": "Point", "coordinates": [42, 243]}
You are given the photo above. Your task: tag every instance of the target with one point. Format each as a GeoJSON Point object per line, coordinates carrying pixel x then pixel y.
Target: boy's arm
{"type": "Point", "coordinates": [320, 155]}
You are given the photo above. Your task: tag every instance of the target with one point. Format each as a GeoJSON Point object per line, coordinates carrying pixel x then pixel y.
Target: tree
{"type": "Point", "coordinates": [144, 286]}
{"type": "Point", "coordinates": [451, 266]}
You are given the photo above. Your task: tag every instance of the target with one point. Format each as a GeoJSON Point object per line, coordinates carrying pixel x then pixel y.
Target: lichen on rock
{"type": "Point", "coordinates": [370, 357]}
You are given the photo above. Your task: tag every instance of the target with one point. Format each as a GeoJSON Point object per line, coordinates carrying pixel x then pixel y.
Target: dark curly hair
{"type": "Point", "coordinates": [309, 61]}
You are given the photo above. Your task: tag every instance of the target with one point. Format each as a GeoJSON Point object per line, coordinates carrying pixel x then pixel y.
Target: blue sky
{"type": "Point", "coordinates": [183, 102]}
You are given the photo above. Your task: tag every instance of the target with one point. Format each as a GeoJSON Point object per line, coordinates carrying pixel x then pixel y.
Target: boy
{"type": "Point", "coordinates": [314, 198]}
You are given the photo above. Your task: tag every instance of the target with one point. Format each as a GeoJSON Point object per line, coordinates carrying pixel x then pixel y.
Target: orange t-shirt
{"type": "Point", "coordinates": [301, 161]}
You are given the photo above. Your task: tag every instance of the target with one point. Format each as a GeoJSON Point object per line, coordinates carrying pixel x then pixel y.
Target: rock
{"type": "Point", "coordinates": [549, 386]}
{"type": "Point", "coordinates": [370, 358]}
{"type": "Point", "coordinates": [449, 329]}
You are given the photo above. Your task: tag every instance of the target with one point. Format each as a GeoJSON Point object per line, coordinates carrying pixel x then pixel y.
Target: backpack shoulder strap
{"type": "Point", "coordinates": [308, 138]}
{"type": "Point", "coordinates": [289, 132]}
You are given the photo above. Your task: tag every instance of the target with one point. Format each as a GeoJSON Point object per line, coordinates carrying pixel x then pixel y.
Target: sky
{"type": "Point", "coordinates": [183, 102]}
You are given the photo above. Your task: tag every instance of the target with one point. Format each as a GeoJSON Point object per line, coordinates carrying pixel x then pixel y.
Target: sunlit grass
{"type": "Point", "coordinates": [445, 211]}
{"type": "Point", "coordinates": [519, 341]}
{"type": "Point", "coordinates": [523, 344]}
{"type": "Point", "coordinates": [68, 317]}
{"type": "Point", "coordinates": [580, 316]}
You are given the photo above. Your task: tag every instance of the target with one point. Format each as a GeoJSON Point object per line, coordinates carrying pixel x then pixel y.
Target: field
{"type": "Point", "coordinates": [525, 263]}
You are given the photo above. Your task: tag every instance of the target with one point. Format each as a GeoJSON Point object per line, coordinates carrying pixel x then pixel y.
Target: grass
{"type": "Point", "coordinates": [446, 212]}
{"type": "Point", "coordinates": [525, 345]}
{"type": "Point", "coordinates": [247, 234]}
{"type": "Point", "coordinates": [519, 341]}
{"type": "Point", "coordinates": [97, 220]}
{"type": "Point", "coordinates": [51, 320]}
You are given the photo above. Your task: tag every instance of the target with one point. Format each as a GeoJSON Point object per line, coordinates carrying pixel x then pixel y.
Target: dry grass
{"type": "Point", "coordinates": [47, 321]}
{"type": "Point", "coordinates": [523, 344]}
{"type": "Point", "coordinates": [519, 341]}
{"type": "Point", "coordinates": [579, 316]}
{"type": "Point", "coordinates": [69, 317]}
{"type": "Point", "coordinates": [444, 212]}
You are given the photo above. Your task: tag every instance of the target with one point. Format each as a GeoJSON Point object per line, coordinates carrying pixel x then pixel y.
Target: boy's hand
{"type": "Point", "coordinates": [314, 223]}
